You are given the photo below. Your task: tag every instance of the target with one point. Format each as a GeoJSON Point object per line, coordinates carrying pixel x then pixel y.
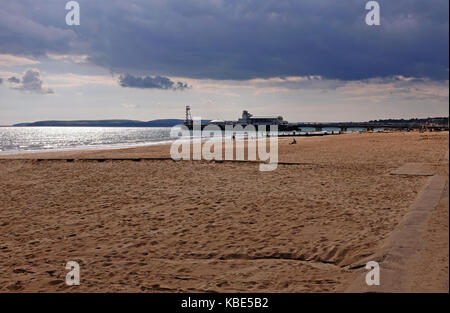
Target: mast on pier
{"type": "Point", "coordinates": [188, 118]}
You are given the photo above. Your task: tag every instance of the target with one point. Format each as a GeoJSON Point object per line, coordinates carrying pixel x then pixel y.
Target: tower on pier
{"type": "Point", "coordinates": [188, 118]}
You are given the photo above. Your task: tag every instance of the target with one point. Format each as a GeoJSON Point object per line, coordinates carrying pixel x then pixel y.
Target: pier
{"type": "Point", "coordinates": [300, 127]}
{"type": "Point", "coordinates": [283, 126]}
{"type": "Point", "coordinates": [369, 126]}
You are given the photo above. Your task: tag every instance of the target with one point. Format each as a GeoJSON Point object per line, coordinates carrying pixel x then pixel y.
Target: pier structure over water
{"type": "Point", "coordinates": [343, 127]}
{"type": "Point", "coordinates": [369, 126]}
{"type": "Point", "coordinates": [284, 126]}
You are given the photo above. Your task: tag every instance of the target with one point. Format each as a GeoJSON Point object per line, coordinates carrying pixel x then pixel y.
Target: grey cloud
{"type": "Point", "coordinates": [1, 80]}
{"type": "Point", "coordinates": [14, 80]}
{"type": "Point", "coordinates": [151, 82]}
{"type": "Point", "coordinates": [31, 82]}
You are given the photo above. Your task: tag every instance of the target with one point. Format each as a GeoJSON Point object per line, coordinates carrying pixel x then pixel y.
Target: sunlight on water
{"type": "Point", "coordinates": [37, 139]}
{"type": "Point", "coordinates": [29, 139]}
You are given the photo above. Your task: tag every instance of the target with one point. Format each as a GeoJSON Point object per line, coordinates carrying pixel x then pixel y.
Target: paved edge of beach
{"type": "Point", "coordinates": [413, 243]}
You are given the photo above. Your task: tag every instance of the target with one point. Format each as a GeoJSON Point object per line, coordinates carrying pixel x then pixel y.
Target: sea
{"type": "Point", "coordinates": [18, 140]}
{"type": "Point", "coordinates": [40, 139]}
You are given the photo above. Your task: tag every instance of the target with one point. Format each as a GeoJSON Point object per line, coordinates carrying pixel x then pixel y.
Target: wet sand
{"type": "Point", "coordinates": [164, 226]}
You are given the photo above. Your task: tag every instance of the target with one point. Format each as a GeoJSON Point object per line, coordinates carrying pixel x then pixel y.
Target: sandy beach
{"type": "Point", "coordinates": [197, 226]}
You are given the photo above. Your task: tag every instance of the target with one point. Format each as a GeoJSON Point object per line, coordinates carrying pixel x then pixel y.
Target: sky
{"type": "Point", "coordinates": [308, 60]}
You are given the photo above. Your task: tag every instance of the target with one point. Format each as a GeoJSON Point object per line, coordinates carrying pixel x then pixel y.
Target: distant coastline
{"type": "Point", "coordinates": [174, 122]}
{"type": "Point", "coordinates": [104, 123]}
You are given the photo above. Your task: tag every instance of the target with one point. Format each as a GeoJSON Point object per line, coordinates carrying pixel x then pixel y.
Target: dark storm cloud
{"type": "Point", "coordinates": [235, 39]}
{"type": "Point", "coordinates": [156, 82]}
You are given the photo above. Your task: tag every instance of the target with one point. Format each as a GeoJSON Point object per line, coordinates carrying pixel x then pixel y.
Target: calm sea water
{"type": "Point", "coordinates": [35, 139]}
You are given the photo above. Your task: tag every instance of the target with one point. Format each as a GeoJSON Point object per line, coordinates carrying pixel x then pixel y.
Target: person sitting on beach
{"type": "Point", "coordinates": [293, 141]}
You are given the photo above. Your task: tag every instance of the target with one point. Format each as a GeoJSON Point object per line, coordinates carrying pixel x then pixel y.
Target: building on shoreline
{"type": "Point", "coordinates": [249, 119]}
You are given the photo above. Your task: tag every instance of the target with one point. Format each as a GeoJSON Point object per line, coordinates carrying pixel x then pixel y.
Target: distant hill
{"type": "Point", "coordinates": [106, 123]}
